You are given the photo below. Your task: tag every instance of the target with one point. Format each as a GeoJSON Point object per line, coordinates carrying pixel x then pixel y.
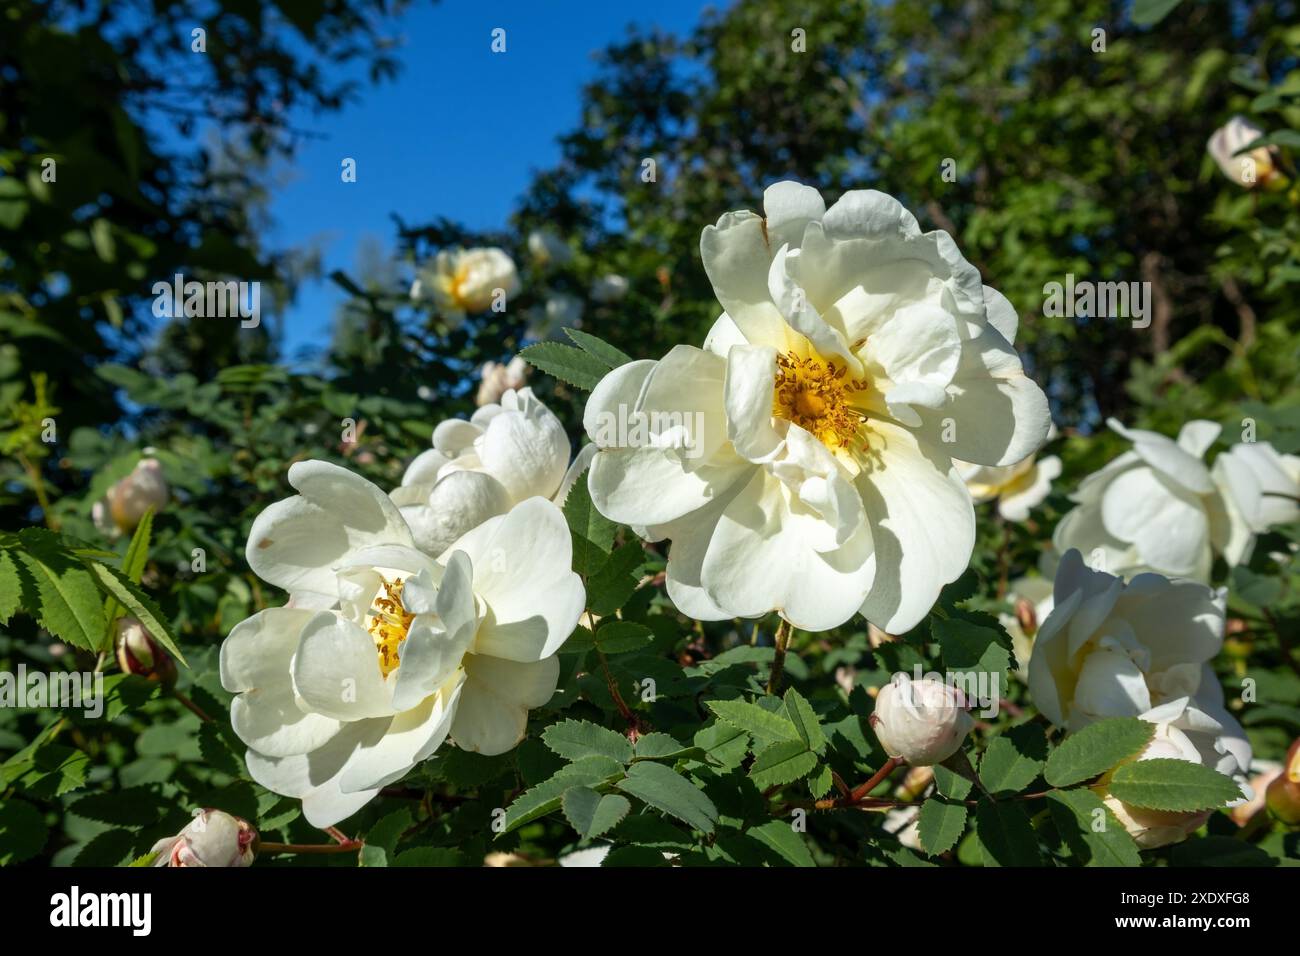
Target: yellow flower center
{"type": "Point", "coordinates": [819, 397]}
{"type": "Point", "coordinates": [389, 623]}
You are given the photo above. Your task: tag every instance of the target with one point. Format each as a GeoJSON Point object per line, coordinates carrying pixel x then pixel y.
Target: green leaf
{"type": "Point", "coordinates": [623, 637]}
{"type": "Point", "coordinates": [575, 739]}
{"type": "Point", "coordinates": [1220, 851]}
{"type": "Point", "coordinates": [968, 647]}
{"type": "Point", "coordinates": [1147, 13]}
{"type": "Point", "coordinates": [115, 584]}
{"type": "Point", "coordinates": [780, 837]}
{"type": "Point", "coordinates": [951, 784]}
{"type": "Point", "coordinates": [805, 721]}
{"type": "Point", "coordinates": [545, 798]}
{"type": "Point", "coordinates": [1006, 834]}
{"type": "Point", "coordinates": [10, 587]}
{"type": "Point", "coordinates": [1091, 831]}
{"type": "Point", "coordinates": [137, 555]}
{"type": "Point", "coordinates": [664, 747]}
{"type": "Point", "coordinates": [664, 789]}
{"type": "Point", "coordinates": [940, 825]}
{"type": "Point", "coordinates": [780, 763]}
{"type": "Point", "coordinates": [128, 807]}
{"type": "Point", "coordinates": [1096, 748]}
{"type": "Point", "coordinates": [574, 366]}
{"type": "Point", "coordinates": [1013, 760]}
{"type": "Point", "coordinates": [755, 720]}
{"type": "Point", "coordinates": [1168, 784]}
{"type": "Point", "coordinates": [59, 591]}
{"type": "Point", "coordinates": [145, 860]}
{"type": "Point", "coordinates": [22, 831]}
{"type": "Point", "coordinates": [591, 813]}
{"type": "Point", "coordinates": [609, 588]}
{"type": "Point", "coordinates": [592, 532]}
{"type": "Point", "coordinates": [598, 349]}
{"type": "Point", "coordinates": [382, 837]}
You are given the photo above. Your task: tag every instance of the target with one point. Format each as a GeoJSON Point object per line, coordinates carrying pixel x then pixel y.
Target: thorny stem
{"type": "Point", "coordinates": [782, 641]}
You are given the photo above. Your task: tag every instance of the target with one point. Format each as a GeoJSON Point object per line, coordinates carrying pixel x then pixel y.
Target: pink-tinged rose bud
{"type": "Point", "coordinates": [497, 379]}
{"type": "Point", "coordinates": [212, 838]}
{"type": "Point", "coordinates": [140, 654]}
{"type": "Point", "coordinates": [1027, 617]}
{"type": "Point", "coordinates": [1283, 796]}
{"type": "Point", "coordinates": [128, 500]}
{"type": "Point", "coordinates": [922, 722]}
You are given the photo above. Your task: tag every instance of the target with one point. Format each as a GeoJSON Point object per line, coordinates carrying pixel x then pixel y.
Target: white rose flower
{"type": "Point", "coordinates": [609, 288]}
{"type": "Point", "coordinates": [1154, 508]}
{"type": "Point", "coordinates": [1250, 169]}
{"type": "Point", "coordinates": [1111, 649]}
{"type": "Point", "coordinates": [1183, 732]}
{"type": "Point", "coordinates": [1261, 490]}
{"type": "Point", "coordinates": [463, 281]}
{"type": "Point", "coordinates": [1017, 488]}
{"type": "Point", "coordinates": [922, 722]}
{"type": "Point", "coordinates": [801, 461]}
{"type": "Point", "coordinates": [383, 652]}
{"type": "Point", "coordinates": [548, 249]}
{"type": "Point", "coordinates": [496, 379]}
{"type": "Point", "coordinates": [128, 499]}
{"type": "Point", "coordinates": [479, 468]}
{"type": "Point", "coordinates": [212, 838]}
{"type": "Point", "coordinates": [561, 310]}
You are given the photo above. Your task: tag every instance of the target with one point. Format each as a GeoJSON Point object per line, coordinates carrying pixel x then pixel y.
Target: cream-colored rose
{"type": "Point", "coordinates": [496, 379]}
{"type": "Point", "coordinates": [464, 281]}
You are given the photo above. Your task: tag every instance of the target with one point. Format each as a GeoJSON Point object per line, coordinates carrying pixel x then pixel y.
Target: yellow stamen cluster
{"type": "Point", "coordinates": [388, 625]}
{"type": "Point", "coordinates": [818, 397]}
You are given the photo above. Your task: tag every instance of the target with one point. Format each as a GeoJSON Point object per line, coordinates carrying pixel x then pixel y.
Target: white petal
{"type": "Point", "coordinates": [1167, 524]}
{"type": "Point", "coordinates": [737, 255]}
{"type": "Point", "coordinates": [434, 647]}
{"type": "Point", "coordinates": [923, 525]}
{"type": "Point", "coordinates": [336, 670]}
{"type": "Point", "coordinates": [460, 501]}
{"type": "Point", "coordinates": [411, 737]}
{"type": "Point", "coordinates": [255, 664]}
{"type": "Point", "coordinates": [751, 375]}
{"type": "Point", "coordinates": [525, 448]}
{"type": "Point", "coordinates": [1168, 457]}
{"type": "Point", "coordinates": [789, 207]}
{"type": "Point", "coordinates": [495, 700]}
{"type": "Point", "coordinates": [522, 570]}
{"type": "Point", "coordinates": [295, 543]}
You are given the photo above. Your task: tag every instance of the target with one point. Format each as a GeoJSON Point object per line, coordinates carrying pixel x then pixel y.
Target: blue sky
{"type": "Point", "coordinates": [457, 134]}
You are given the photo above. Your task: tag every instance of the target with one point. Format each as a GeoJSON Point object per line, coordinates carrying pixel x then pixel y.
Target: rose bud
{"type": "Point", "coordinates": [1283, 796]}
{"type": "Point", "coordinates": [140, 654]}
{"type": "Point", "coordinates": [127, 501]}
{"type": "Point", "coordinates": [921, 722]}
{"type": "Point", "coordinates": [1258, 167]}
{"type": "Point", "coordinates": [212, 838]}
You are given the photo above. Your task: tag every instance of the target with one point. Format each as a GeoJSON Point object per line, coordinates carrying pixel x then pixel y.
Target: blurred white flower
{"type": "Point", "coordinates": [1110, 649]}
{"type": "Point", "coordinates": [548, 249]}
{"type": "Point", "coordinates": [212, 838]}
{"type": "Point", "coordinates": [496, 379]}
{"type": "Point", "coordinates": [609, 288]}
{"type": "Point", "coordinates": [560, 311]}
{"type": "Point", "coordinates": [1017, 488]}
{"type": "Point", "coordinates": [128, 499]}
{"type": "Point", "coordinates": [463, 281]}
{"type": "Point", "coordinates": [503, 455]}
{"type": "Point", "coordinates": [922, 722]}
{"type": "Point", "coordinates": [382, 652]}
{"type": "Point", "coordinates": [1154, 508]}
{"type": "Point", "coordinates": [801, 461]}
{"type": "Point", "coordinates": [1258, 167]}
